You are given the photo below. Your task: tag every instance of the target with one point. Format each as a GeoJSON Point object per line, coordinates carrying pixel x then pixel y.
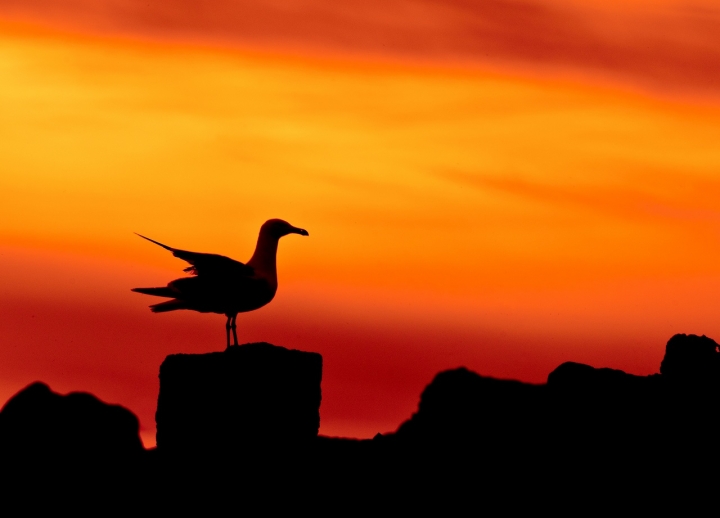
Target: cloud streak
{"type": "Point", "coordinates": [670, 47]}
{"type": "Point", "coordinates": [650, 197]}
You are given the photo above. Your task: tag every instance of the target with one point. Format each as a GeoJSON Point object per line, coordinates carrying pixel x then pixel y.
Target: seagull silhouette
{"type": "Point", "coordinates": [223, 285]}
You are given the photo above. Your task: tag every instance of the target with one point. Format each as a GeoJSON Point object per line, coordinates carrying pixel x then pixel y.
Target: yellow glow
{"type": "Point", "coordinates": [500, 182]}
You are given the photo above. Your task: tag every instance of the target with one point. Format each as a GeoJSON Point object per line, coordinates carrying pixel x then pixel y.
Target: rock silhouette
{"type": "Point", "coordinates": [40, 423]}
{"type": "Point", "coordinates": [241, 426]}
{"type": "Point", "coordinates": [581, 412]}
{"type": "Point", "coordinates": [463, 410]}
{"type": "Point", "coordinates": [238, 399]}
{"type": "Point", "coordinates": [691, 359]}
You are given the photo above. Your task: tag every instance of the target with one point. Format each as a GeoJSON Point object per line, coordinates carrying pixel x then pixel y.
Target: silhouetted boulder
{"type": "Point", "coordinates": [602, 415]}
{"type": "Point", "coordinates": [461, 409]}
{"type": "Point", "coordinates": [238, 400]}
{"type": "Point", "coordinates": [691, 371]}
{"type": "Point", "coordinates": [691, 359]}
{"type": "Point", "coordinates": [604, 393]}
{"type": "Point", "coordinates": [574, 377]}
{"type": "Point", "coordinates": [40, 424]}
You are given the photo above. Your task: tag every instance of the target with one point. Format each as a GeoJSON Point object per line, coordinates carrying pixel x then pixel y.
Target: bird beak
{"type": "Point", "coordinates": [300, 231]}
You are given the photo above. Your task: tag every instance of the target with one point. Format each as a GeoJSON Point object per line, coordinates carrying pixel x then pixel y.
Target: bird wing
{"type": "Point", "coordinates": [214, 265]}
{"type": "Point", "coordinates": [208, 265]}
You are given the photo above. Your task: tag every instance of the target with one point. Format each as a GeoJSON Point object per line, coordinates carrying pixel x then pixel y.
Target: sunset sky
{"type": "Point", "coordinates": [502, 185]}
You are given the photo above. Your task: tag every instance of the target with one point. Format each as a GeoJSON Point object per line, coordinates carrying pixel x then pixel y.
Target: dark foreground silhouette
{"type": "Point", "coordinates": [223, 285]}
{"type": "Point", "coordinates": [238, 430]}
{"type": "Point", "coordinates": [218, 403]}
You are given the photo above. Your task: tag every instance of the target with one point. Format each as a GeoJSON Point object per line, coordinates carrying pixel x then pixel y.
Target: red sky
{"type": "Point", "coordinates": [500, 185]}
{"type": "Point", "coordinates": [665, 44]}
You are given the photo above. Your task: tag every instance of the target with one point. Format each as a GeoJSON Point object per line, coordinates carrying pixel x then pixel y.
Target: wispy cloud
{"type": "Point", "coordinates": [655, 196]}
{"type": "Point", "coordinates": [673, 46]}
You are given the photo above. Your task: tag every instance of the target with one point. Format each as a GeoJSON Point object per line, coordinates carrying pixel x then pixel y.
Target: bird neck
{"type": "Point", "coordinates": [264, 258]}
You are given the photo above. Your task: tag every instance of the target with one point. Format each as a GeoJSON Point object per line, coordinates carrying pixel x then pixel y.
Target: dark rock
{"type": "Point", "coordinates": [691, 359]}
{"type": "Point", "coordinates": [463, 410]}
{"type": "Point", "coordinates": [238, 401]}
{"type": "Point", "coordinates": [601, 417]}
{"type": "Point", "coordinates": [573, 377]}
{"type": "Point", "coordinates": [38, 424]}
{"type": "Point", "coordinates": [691, 371]}
{"type": "Point", "coordinates": [608, 395]}
{"type": "Point", "coordinates": [596, 435]}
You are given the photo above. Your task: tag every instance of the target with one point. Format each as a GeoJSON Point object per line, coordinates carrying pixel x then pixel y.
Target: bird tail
{"type": "Point", "coordinates": [169, 305]}
{"type": "Point", "coordinates": [156, 242]}
{"type": "Point", "coordinates": [158, 292]}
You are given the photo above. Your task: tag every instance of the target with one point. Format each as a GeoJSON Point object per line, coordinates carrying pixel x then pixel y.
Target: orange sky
{"type": "Point", "coordinates": [508, 210]}
{"type": "Point", "coordinates": [659, 44]}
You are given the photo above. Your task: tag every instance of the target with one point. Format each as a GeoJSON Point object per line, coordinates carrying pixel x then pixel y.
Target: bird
{"type": "Point", "coordinates": [222, 285]}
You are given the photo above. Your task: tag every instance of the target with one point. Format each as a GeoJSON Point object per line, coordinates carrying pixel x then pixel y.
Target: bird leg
{"type": "Point", "coordinates": [234, 329]}
{"type": "Point", "coordinates": [227, 331]}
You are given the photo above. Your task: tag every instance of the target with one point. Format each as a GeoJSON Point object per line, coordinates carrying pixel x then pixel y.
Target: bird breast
{"type": "Point", "coordinates": [252, 293]}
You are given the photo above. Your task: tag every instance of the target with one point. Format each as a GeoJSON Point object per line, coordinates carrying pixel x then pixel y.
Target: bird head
{"type": "Point", "coordinates": [279, 228]}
